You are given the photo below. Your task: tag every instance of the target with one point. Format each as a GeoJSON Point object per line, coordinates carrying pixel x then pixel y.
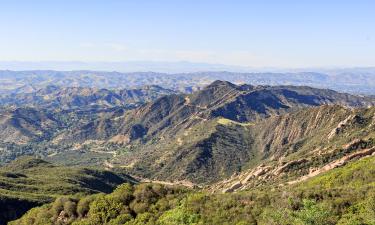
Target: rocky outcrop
{"type": "Point", "coordinates": [259, 171]}
{"type": "Point", "coordinates": [350, 120]}
{"type": "Point", "coordinates": [288, 166]}
{"type": "Point", "coordinates": [232, 188]}
{"type": "Point", "coordinates": [240, 181]}
{"type": "Point", "coordinates": [337, 163]}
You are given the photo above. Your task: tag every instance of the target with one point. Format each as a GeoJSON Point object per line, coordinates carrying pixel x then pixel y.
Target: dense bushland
{"type": "Point", "coordinates": [342, 196]}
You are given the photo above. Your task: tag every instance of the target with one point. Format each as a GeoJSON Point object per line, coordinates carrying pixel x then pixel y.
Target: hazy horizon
{"type": "Point", "coordinates": [255, 34]}
{"type": "Point", "coordinates": [159, 67]}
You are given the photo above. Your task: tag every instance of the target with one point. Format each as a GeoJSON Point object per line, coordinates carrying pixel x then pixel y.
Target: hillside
{"type": "Point", "coordinates": [342, 196]}
{"type": "Point", "coordinates": [219, 148]}
{"type": "Point", "coordinates": [29, 121]}
{"type": "Point", "coordinates": [28, 182]}
{"type": "Point", "coordinates": [27, 130]}
{"type": "Point", "coordinates": [298, 146]}
{"type": "Point", "coordinates": [21, 125]}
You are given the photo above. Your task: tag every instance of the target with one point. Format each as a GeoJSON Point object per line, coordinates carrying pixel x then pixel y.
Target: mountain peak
{"type": "Point", "coordinates": [220, 84]}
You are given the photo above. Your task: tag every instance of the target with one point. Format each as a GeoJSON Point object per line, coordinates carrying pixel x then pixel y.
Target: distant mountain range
{"type": "Point", "coordinates": [81, 98]}
{"type": "Point", "coordinates": [356, 81]}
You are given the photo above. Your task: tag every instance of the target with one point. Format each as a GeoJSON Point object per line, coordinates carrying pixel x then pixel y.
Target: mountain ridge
{"type": "Point", "coordinates": [158, 130]}
{"type": "Point", "coordinates": [53, 96]}
{"type": "Point", "coordinates": [239, 103]}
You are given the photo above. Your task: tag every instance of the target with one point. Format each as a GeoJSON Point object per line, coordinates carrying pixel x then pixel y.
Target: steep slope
{"type": "Point", "coordinates": [28, 182]}
{"type": "Point", "coordinates": [219, 148]}
{"type": "Point", "coordinates": [298, 146]}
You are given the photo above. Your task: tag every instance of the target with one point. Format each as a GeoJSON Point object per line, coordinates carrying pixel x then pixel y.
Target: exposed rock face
{"type": "Point", "coordinates": [287, 133]}
{"type": "Point", "coordinates": [316, 153]}
{"type": "Point", "coordinates": [288, 166]}
{"type": "Point", "coordinates": [232, 188]}
{"type": "Point", "coordinates": [335, 164]}
{"type": "Point", "coordinates": [349, 121]}
{"type": "Point", "coordinates": [356, 144]}
{"type": "Point", "coordinates": [120, 139]}
{"type": "Point", "coordinates": [339, 127]}
{"type": "Point", "coordinates": [244, 180]}
{"type": "Point", "coordinates": [259, 171]}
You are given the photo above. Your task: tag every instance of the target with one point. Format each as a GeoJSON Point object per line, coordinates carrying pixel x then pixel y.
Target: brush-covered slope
{"type": "Point", "coordinates": [28, 182]}
{"type": "Point", "coordinates": [294, 147]}
{"type": "Point", "coordinates": [294, 143]}
{"type": "Point", "coordinates": [342, 196]}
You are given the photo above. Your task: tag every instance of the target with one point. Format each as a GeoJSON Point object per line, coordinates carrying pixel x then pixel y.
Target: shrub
{"type": "Point", "coordinates": [313, 214]}
{"type": "Point", "coordinates": [83, 206]}
{"type": "Point", "coordinates": [70, 208]}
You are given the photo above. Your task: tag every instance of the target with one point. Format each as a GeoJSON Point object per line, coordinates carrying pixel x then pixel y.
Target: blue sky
{"type": "Point", "coordinates": [248, 33]}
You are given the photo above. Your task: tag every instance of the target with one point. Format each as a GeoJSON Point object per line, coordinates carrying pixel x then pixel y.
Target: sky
{"type": "Point", "coordinates": [294, 34]}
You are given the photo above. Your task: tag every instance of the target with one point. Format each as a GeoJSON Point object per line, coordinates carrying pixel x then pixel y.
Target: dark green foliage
{"type": "Point", "coordinates": [83, 205]}
{"type": "Point", "coordinates": [323, 200]}
{"type": "Point", "coordinates": [33, 182]}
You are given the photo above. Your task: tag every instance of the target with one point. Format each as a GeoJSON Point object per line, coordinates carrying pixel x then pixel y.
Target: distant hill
{"type": "Point", "coordinates": [356, 80]}
{"type": "Point", "coordinates": [82, 97]}
{"type": "Point", "coordinates": [21, 125]}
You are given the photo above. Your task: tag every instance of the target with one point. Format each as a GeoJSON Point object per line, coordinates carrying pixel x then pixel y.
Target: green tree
{"type": "Point", "coordinates": [313, 214]}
